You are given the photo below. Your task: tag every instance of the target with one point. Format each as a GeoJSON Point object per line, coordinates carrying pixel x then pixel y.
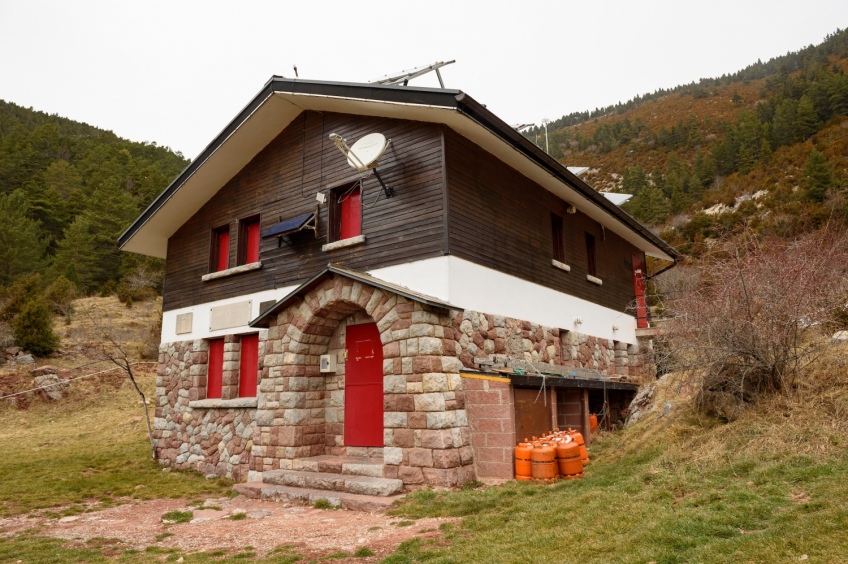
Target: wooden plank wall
{"type": "Point", "coordinates": [281, 182]}
{"type": "Point", "coordinates": [502, 220]}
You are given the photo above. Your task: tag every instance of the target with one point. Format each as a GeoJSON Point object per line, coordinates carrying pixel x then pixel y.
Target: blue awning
{"type": "Point", "coordinates": [288, 226]}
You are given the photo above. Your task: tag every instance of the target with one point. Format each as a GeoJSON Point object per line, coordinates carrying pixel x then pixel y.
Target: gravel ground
{"type": "Point", "coordinates": [266, 526]}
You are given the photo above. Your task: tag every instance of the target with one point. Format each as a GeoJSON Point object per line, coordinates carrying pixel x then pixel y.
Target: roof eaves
{"type": "Point", "coordinates": [476, 111]}
{"type": "Point", "coordinates": [381, 93]}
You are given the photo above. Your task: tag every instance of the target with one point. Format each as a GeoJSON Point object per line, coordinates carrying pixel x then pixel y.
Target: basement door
{"type": "Point", "coordinates": [363, 386]}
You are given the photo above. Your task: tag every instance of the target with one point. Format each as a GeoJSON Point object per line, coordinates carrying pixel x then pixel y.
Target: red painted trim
{"type": "Point", "coordinates": [248, 366]}
{"type": "Point", "coordinates": [639, 292]}
{"type": "Point", "coordinates": [252, 254]}
{"type": "Point", "coordinates": [215, 370]}
{"type": "Point", "coordinates": [351, 224]}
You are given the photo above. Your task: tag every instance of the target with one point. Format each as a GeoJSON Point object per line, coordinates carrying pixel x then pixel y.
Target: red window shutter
{"type": "Point", "coordinates": [215, 370]}
{"type": "Point", "coordinates": [249, 366]}
{"type": "Point", "coordinates": [639, 292]}
{"type": "Point", "coordinates": [351, 220]}
{"type": "Point", "coordinates": [252, 251]}
{"type": "Point", "coordinates": [223, 250]}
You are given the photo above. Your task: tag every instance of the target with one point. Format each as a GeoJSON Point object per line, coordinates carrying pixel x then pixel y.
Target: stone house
{"type": "Point", "coordinates": [332, 329]}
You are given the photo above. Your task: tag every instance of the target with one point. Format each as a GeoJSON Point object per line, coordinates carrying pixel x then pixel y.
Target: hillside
{"type": "Point", "coordinates": [766, 148]}
{"type": "Point", "coordinates": [67, 190]}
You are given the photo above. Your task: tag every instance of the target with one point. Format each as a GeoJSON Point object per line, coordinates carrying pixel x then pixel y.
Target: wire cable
{"type": "Point", "coordinates": [63, 382]}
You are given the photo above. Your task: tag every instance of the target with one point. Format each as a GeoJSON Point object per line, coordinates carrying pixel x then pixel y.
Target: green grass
{"type": "Point", "coordinates": [363, 552]}
{"type": "Point", "coordinates": [86, 452]}
{"type": "Point", "coordinates": [178, 516]}
{"type": "Point", "coordinates": [648, 504]}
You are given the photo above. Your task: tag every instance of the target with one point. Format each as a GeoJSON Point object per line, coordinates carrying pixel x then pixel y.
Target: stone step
{"type": "Point", "coordinates": [340, 465]}
{"type": "Point", "coordinates": [367, 485]}
{"type": "Point", "coordinates": [350, 501]}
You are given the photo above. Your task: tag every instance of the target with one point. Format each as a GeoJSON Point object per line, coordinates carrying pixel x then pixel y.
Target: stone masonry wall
{"type": "Point", "coordinates": [426, 438]}
{"type": "Point", "coordinates": [483, 336]}
{"type": "Point", "coordinates": [212, 440]}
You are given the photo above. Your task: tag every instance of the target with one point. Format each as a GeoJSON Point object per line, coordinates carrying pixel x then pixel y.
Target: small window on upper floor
{"type": "Point", "coordinates": [248, 241]}
{"type": "Point", "coordinates": [219, 254]}
{"type": "Point", "coordinates": [345, 212]}
{"type": "Point", "coordinates": [591, 265]}
{"type": "Point", "coordinates": [558, 238]}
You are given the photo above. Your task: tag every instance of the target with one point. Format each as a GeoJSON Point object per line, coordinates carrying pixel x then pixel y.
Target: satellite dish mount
{"type": "Point", "coordinates": [364, 154]}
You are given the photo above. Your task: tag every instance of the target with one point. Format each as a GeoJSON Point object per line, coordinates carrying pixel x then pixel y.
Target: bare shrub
{"type": "Point", "coordinates": [754, 315]}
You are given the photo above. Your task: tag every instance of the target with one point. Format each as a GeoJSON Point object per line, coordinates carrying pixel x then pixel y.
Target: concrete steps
{"type": "Point", "coordinates": [352, 502]}
{"type": "Point", "coordinates": [350, 483]}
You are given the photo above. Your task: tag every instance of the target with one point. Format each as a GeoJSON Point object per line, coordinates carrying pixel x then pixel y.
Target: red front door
{"type": "Point", "coordinates": [363, 386]}
{"type": "Point", "coordinates": [639, 292]}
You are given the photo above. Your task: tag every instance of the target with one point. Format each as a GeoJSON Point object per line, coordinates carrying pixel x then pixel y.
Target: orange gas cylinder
{"type": "Point", "coordinates": [593, 422]}
{"type": "Point", "coordinates": [578, 436]}
{"type": "Point", "coordinates": [523, 464]}
{"type": "Point", "coordinates": [543, 460]}
{"type": "Point", "coordinates": [568, 460]}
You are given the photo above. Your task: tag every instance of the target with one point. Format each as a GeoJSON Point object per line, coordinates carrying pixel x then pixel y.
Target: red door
{"type": "Point", "coordinates": [639, 291]}
{"type": "Point", "coordinates": [363, 386]}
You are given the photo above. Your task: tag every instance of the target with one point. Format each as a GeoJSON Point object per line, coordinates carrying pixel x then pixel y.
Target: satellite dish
{"type": "Point", "coordinates": [366, 151]}
{"type": "Point", "coordinates": [364, 154]}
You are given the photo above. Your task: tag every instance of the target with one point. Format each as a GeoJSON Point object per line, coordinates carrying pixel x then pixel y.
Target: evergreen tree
{"type": "Point", "coordinates": [33, 328]}
{"type": "Point", "coordinates": [77, 256]}
{"type": "Point", "coordinates": [818, 177]}
{"type": "Point", "coordinates": [807, 121]}
{"type": "Point", "coordinates": [21, 243]}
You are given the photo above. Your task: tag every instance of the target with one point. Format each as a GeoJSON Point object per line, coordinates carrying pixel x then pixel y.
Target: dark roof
{"type": "Point", "coordinates": [337, 270]}
{"type": "Point", "coordinates": [435, 97]}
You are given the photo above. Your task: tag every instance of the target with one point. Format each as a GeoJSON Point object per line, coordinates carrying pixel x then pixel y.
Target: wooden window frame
{"type": "Point", "coordinates": [245, 226]}
{"type": "Point", "coordinates": [334, 223]}
{"type": "Point", "coordinates": [215, 248]}
{"type": "Point", "coordinates": [558, 238]}
{"type": "Point", "coordinates": [591, 255]}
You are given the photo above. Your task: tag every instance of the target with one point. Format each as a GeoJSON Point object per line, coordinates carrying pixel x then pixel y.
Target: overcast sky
{"type": "Point", "coordinates": [176, 72]}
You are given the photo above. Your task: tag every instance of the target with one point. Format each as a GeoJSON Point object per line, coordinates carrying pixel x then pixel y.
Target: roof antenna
{"type": "Point", "coordinates": [295, 71]}
{"type": "Point", "coordinates": [403, 77]}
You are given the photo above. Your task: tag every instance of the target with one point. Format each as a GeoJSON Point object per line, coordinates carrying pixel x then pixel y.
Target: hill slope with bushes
{"type": "Point", "coordinates": [765, 148]}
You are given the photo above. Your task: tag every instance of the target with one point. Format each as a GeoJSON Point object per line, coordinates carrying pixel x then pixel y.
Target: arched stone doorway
{"type": "Point", "coordinates": [300, 410]}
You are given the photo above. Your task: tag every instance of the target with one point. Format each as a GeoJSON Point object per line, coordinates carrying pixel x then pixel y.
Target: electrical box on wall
{"type": "Point", "coordinates": [328, 363]}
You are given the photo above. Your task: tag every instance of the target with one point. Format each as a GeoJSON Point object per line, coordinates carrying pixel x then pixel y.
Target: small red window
{"type": "Point", "coordinates": [248, 240]}
{"type": "Point", "coordinates": [351, 214]}
{"type": "Point", "coordinates": [248, 366]}
{"type": "Point", "coordinates": [220, 257]}
{"type": "Point", "coordinates": [215, 371]}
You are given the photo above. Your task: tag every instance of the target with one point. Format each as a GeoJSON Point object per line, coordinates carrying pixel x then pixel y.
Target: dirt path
{"type": "Point", "coordinates": [265, 527]}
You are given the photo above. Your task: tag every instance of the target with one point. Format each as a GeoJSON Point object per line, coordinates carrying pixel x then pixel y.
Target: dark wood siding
{"type": "Point", "coordinates": [500, 219]}
{"type": "Point", "coordinates": [282, 181]}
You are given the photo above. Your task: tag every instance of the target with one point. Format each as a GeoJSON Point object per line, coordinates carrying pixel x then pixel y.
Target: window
{"type": "Point", "coordinates": [215, 372]}
{"type": "Point", "coordinates": [224, 382]}
{"type": "Point", "coordinates": [558, 237]}
{"type": "Point", "coordinates": [248, 366]}
{"type": "Point", "coordinates": [345, 212]}
{"type": "Point", "coordinates": [248, 250]}
{"type": "Point", "coordinates": [219, 256]}
{"type": "Point", "coordinates": [590, 255]}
